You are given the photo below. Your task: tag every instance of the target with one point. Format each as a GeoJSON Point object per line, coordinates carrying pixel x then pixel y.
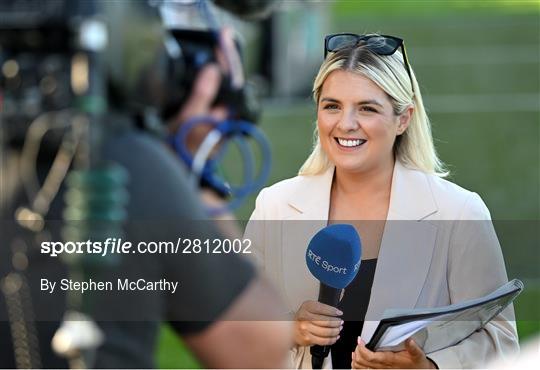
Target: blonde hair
{"type": "Point", "coordinates": [414, 148]}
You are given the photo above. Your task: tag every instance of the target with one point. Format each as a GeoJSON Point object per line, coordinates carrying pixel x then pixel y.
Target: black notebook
{"type": "Point", "coordinates": [437, 328]}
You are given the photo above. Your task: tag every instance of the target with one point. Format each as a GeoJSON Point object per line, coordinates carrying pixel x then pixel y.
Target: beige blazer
{"type": "Point", "coordinates": [446, 253]}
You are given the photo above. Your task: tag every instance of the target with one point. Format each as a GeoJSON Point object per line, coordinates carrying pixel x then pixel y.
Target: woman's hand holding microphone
{"type": "Point", "coordinates": [317, 324]}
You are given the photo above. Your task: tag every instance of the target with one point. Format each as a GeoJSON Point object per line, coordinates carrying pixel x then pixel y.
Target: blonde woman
{"type": "Point", "coordinates": [374, 165]}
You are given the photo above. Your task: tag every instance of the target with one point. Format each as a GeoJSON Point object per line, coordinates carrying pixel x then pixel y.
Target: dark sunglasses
{"type": "Point", "coordinates": [378, 44]}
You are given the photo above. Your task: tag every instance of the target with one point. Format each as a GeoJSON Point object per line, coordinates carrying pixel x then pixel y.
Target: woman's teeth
{"type": "Point", "coordinates": [350, 143]}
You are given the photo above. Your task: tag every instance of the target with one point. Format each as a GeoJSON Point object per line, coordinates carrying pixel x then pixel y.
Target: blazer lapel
{"type": "Point", "coordinates": [406, 247]}
{"type": "Point", "coordinates": [311, 198]}
{"type": "Point", "coordinates": [411, 197]}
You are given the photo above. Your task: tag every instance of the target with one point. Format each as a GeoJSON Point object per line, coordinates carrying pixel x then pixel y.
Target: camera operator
{"type": "Point", "coordinates": [215, 297]}
{"type": "Point", "coordinates": [227, 281]}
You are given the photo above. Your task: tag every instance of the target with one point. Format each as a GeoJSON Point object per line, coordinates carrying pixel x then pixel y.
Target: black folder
{"type": "Point", "coordinates": [438, 328]}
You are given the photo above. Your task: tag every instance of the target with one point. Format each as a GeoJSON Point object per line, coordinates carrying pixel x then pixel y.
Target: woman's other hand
{"type": "Point", "coordinates": [317, 323]}
{"type": "Point", "coordinates": [412, 357]}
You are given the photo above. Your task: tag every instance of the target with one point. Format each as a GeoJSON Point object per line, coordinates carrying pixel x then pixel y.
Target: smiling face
{"type": "Point", "coordinates": [356, 122]}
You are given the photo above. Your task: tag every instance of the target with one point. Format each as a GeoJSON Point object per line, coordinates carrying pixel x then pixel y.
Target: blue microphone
{"type": "Point", "coordinates": [333, 257]}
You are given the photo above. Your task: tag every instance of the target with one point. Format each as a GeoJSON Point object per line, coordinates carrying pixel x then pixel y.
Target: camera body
{"type": "Point", "coordinates": [39, 40]}
{"type": "Point", "coordinates": [197, 49]}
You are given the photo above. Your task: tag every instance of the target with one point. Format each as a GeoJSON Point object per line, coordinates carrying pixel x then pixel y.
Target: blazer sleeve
{"type": "Point", "coordinates": [475, 268]}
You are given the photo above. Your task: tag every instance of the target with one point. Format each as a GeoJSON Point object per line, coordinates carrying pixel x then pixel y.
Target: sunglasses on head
{"type": "Point", "coordinates": [378, 44]}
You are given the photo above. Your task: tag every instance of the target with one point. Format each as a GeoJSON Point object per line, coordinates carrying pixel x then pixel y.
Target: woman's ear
{"type": "Point", "coordinates": [404, 120]}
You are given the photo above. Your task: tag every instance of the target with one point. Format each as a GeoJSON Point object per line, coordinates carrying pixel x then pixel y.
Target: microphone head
{"type": "Point", "coordinates": [333, 255]}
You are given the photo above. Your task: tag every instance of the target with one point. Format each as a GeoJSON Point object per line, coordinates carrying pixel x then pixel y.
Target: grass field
{"type": "Point", "coordinates": [478, 66]}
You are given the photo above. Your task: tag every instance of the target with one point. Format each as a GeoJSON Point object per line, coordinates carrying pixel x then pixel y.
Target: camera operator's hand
{"type": "Point", "coordinates": [206, 88]}
{"type": "Point", "coordinates": [199, 103]}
